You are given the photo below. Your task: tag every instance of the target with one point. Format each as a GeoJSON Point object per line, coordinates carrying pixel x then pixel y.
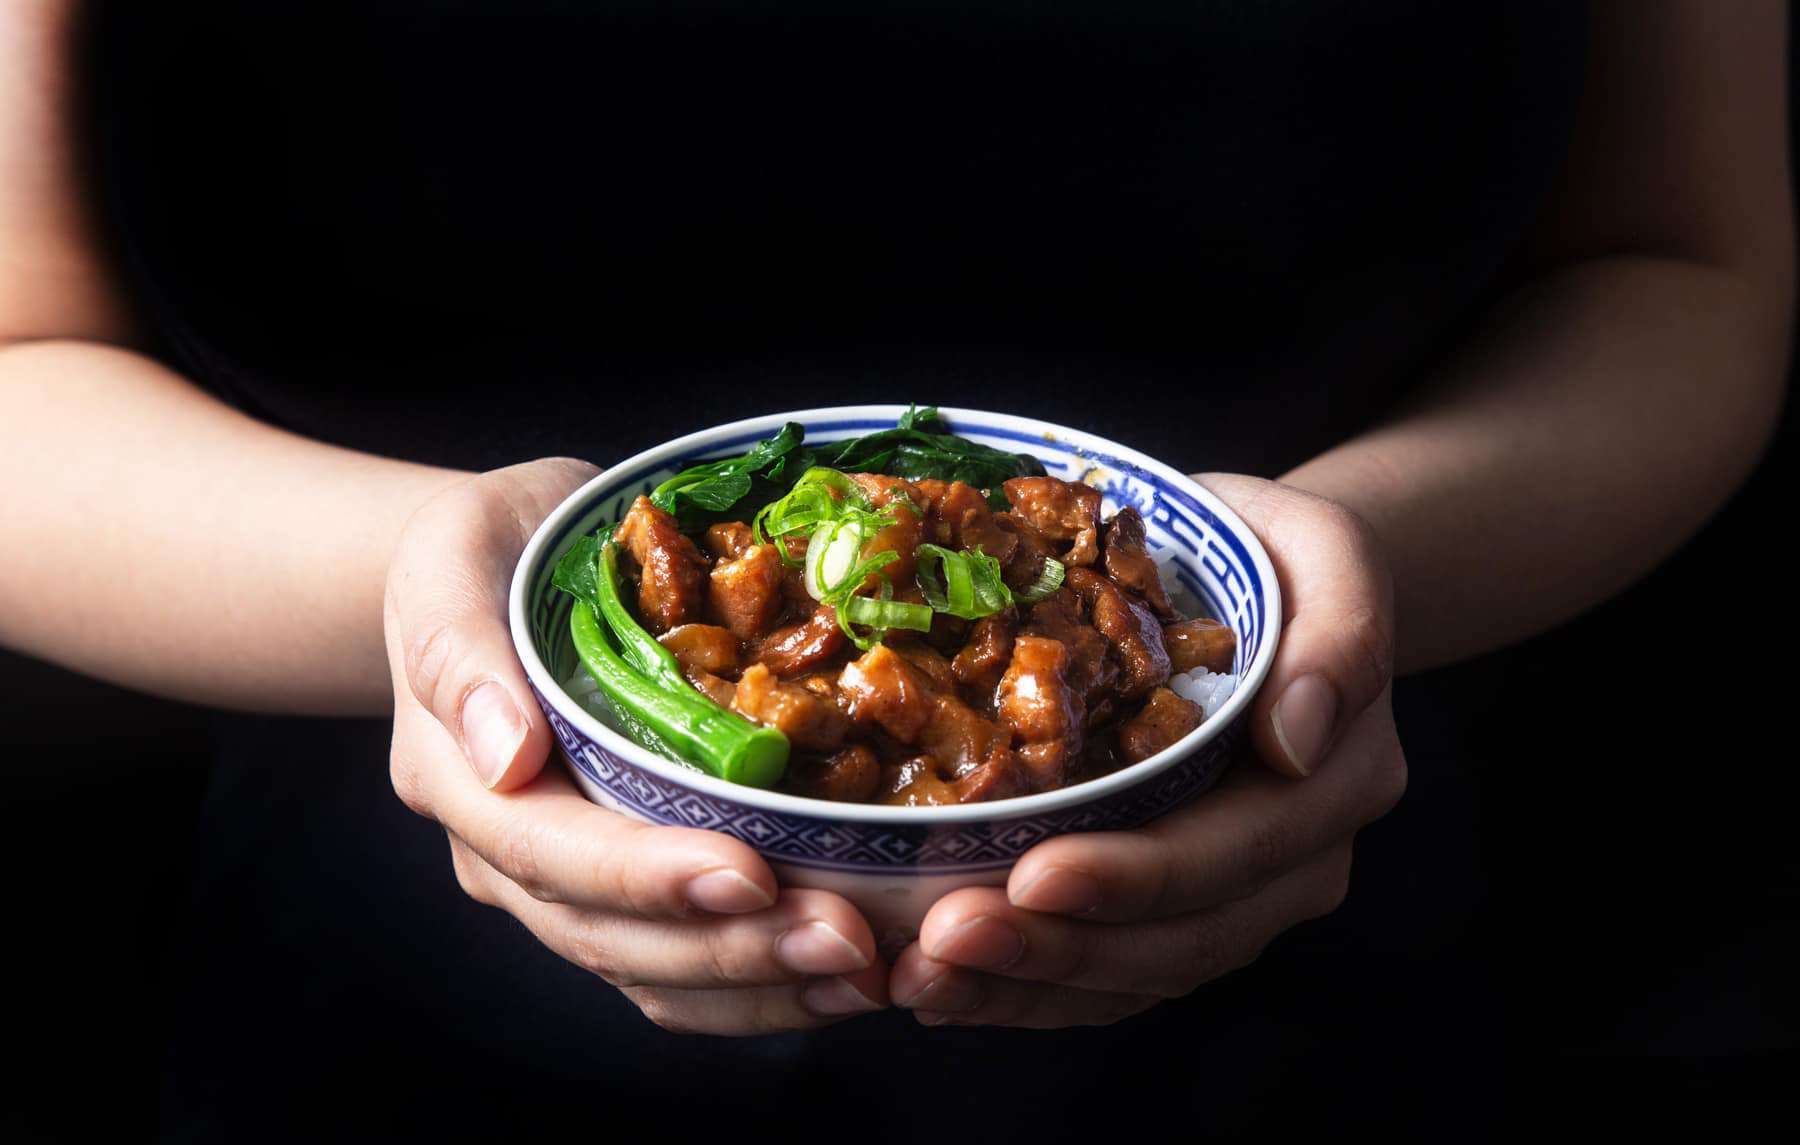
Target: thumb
{"type": "Point", "coordinates": [449, 645]}
{"type": "Point", "coordinates": [1337, 642]}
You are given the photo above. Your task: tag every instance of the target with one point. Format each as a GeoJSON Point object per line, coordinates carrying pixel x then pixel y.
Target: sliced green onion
{"type": "Point", "coordinates": [833, 550]}
{"type": "Point", "coordinates": [884, 614]}
{"type": "Point", "coordinates": [879, 610]}
{"type": "Point", "coordinates": [820, 496]}
{"type": "Point", "coordinates": [965, 584]}
{"type": "Point", "coordinates": [1049, 579]}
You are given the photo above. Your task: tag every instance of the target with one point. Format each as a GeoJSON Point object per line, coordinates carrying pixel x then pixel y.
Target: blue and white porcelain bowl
{"type": "Point", "coordinates": [894, 862]}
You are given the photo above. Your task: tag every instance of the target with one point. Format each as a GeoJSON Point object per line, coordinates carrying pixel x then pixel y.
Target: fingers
{"type": "Point", "coordinates": [1337, 641]}
{"type": "Point", "coordinates": [448, 638]}
{"type": "Point", "coordinates": [806, 934]}
{"type": "Point", "coordinates": [952, 996]}
{"type": "Point", "coordinates": [558, 847]}
{"type": "Point", "coordinates": [977, 929]}
{"type": "Point", "coordinates": [1224, 847]}
{"type": "Point", "coordinates": [766, 1009]}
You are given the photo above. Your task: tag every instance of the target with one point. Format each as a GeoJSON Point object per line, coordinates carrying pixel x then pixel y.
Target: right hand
{"type": "Point", "coordinates": [689, 924]}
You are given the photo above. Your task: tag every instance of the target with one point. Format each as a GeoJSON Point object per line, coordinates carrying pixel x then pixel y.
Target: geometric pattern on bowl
{"type": "Point", "coordinates": [1213, 562]}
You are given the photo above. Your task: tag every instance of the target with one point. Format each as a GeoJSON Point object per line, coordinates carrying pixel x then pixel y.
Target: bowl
{"type": "Point", "coordinates": [894, 862]}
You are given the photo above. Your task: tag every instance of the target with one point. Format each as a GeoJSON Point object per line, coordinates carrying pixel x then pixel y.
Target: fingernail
{"type": "Point", "coordinates": [984, 942]}
{"type": "Point", "coordinates": [725, 891]}
{"type": "Point", "coordinates": [492, 731]}
{"type": "Point", "coordinates": [815, 948]}
{"type": "Point", "coordinates": [1060, 890]}
{"type": "Point", "coordinates": [831, 997]}
{"type": "Point", "coordinates": [1302, 719]}
{"type": "Point", "coordinates": [948, 993]}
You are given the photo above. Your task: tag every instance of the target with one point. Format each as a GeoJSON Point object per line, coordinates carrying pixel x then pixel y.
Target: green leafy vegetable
{"type": "Point", "coordinates": [919, 446]}
{"type": "Point", "coordinates": [578, 572]}
{"type": "Point", "coordinates": [922, 446]}
{"type": "Point", "coordinates": [695, 494]}
{"type": "Point", "coordinates": [644, 684]}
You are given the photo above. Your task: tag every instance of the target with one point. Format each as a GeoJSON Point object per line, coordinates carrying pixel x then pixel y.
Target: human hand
{"type": "Point", "coordinates": [1093, 928]}
{"type": "Point", "coordinates": [689, 924]}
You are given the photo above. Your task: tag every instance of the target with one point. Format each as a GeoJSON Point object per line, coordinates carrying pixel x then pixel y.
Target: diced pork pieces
{"type": "Point", "coordinates": [1091, 671]}
{"type": "Point", "coordinates": [707, 654]}
{"type": "Point", "coordinates": [1130, 629]}
{"type": "Point", "coordinates": [982, 660]}
{"type": "Point", "coordinates": [1164, 718]}
{"type": "Point", "coordinates": [745, 594]}
{"type": "Point", "coordinates": [802, 647]}
{"type": "Point", "coordinates": [1128, 562]}
{"type": "Point", "coordinates": [920, 782]}
{"type": "Point", "coordinates": [959, 517]}
{"type": "Point", "coordinates": [1025, 700]}
{"type": "Point", "coordinates": [1060, 511]}
{"type": "Point", "coordinates": [671, 572]}
{"type": "Point", "coordinates": [1200, 643]}
{"type": "Point", "coordinates": [808, 719]}
{"type": "Point", "coordinates": [728, 540]}
{"type": "Point", "coordinates": [1043, 712]}
{"type": "Point", "coordinates": [885, 689]}
{"type": "Point", "coordinates": [852, 774]}
{"type": "Point", "coordinates": [705, 647]}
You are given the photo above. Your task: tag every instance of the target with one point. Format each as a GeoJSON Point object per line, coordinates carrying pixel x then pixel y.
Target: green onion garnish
{"type": "Point", "coordinates": [880, 614]}
{"type": "Point", "coordinates": [1049, 579]}
{"type": "Point", "coordinates": [965, 584]}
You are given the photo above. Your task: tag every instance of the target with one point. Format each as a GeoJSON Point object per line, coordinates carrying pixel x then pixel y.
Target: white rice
{"type": "Point", "coordinates": [1208, 689]}
{"type": "Point", "coordinates": [581, 686]}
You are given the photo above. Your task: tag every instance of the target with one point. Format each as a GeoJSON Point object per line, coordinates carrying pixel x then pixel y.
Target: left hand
{"type": "Point", "coordinates": [1097, 927]}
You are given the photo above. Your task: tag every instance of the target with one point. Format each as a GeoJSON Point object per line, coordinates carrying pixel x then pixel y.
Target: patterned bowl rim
{"type": "Point", "coordinates": [696, 444]}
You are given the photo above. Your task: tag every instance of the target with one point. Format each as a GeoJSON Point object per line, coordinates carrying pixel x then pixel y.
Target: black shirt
{"type": "Point", "coordinates": [474, 233]}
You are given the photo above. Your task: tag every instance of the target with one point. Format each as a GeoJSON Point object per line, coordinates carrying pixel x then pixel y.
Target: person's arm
{"type": "Point", "coordinates": [151, 535]}
{"type": "Point", "coordinates": [161, 540]}
{"type": "Point", "coordinates": [1631, 383]}
{"type": "Point", "coordinates": [155, 537]}
{"type": "Point", "coordinates": [1606, 409]}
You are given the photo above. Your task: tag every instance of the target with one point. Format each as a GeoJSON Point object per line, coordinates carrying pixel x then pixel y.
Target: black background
{"type": "Point", "coordinates": [1609, 924]}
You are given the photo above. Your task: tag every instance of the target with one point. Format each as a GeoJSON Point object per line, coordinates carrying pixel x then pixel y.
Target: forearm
{"type": "Point", "coordinates": [1594, 423]}
{"type": "Point", "coordinates": [154, 537]}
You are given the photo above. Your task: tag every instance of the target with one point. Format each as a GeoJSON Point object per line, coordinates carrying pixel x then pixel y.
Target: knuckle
{"type": "Point", "coordinates": [778, 1011]}
{"type": "Point", "coordinates": [1161, 882]}
{"type": "Point", "coordinates": [727, 958]}
{"type": "Point", "coordinates": [1335, 892]}
{"type": "Point", "coordinates": [1354, 532]}
{"type": "Point", "coordinates": [1245, 959]}
{"type": "Point", "coordinates": [663, 1012]}
{"type": "Point", "coordinates": [518, 852]}
{"type": "Point", "coordinates": [1129, 1006]}
{"type": "Point", "coordinates": [469, 875]}
{"type": "Point", "coordinates": [426, 653]}
{"type": "Point", "coordinates": [590, 949]}
{"type": "Point", "coordinates": [572, 470]}
{"type": "Point", "coordinates": [1210, 954]}
{"type": "Point", "coordinates": [1368, 641]}
{"type": "Point", "coordinates": [1265, 856]}
{"type": "Point", "coordinates": [1390, 781]}
{"type": "Point", "coordinates": [408, 784]}
{"type": "Point", "coordinates": [633, 887]}
{"type": "Point", "coordinates": [1334, 887]}
{"type": "Point", "coordinates": [1074, 961]}
{"type": "Point", "coordinates": [1005, 1006]}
